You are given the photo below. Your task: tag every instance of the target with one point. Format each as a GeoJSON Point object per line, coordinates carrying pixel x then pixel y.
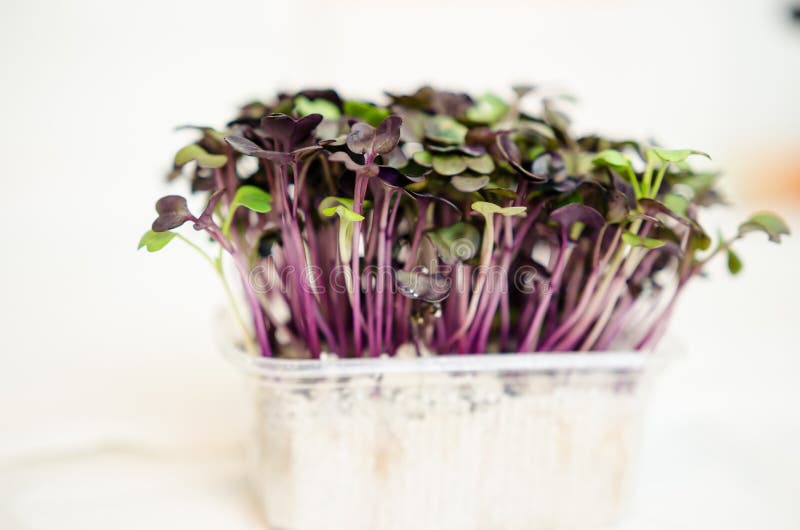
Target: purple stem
{"type": "Point", "coordinates": [618, 320]}
{"type": "Point", "coordinates": [405, 310]}
{"type": "Point", "coordinates": [529, 342]}
{"type": "Point", "coordinates": [358, 201]}
{"type": "Point", "coordinates": [481, 333]}
{"type": "Point", "coordinates": [510, 248]}
{"type": "Point", "coordinates": [255, 307]}
{"type": "Point", "coordinates": [316, 261]}
{"type": "Point", "coordinates": [505, 320]}
{"type": "Point", "coordinates": [652, 336]}
{"type": "Point", "coordinates": [384, 220]}
{"type": "Point", "coordinates": [296, 254]}
{"type": "Point", "coordinates": [580, 333]}
{"type": "Point", "coordinates": [586, 296]}
{"type": "Point", "coordinates": [389, 314]}
{"type": "Point", "coordinates": [629, 266]}
{"type": "Point", "coordinates": [488, 306]}
{"type": "Point", "coordinates": [244, 273]}
{"type": "Point", "coordinates": [230, 174]}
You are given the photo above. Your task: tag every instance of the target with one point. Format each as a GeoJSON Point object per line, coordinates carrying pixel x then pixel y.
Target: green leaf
{"type": "Point", "coordinates": [469, 184]}
{"type": "Point", "coordinates": [346, 232]}
{"type": "Point", "coordinates": [512, 211]}
{"type": "Point", "coordinates": [486, 208]}
{"type": "Point", "coordinates": [534, 151]}
{"type": "Point", "coordinates": [649, 242]}
{"type": "Point", "coordinates": [449, 164]}
{"type": "Point", "coordinates": [699, 240]}
{"type": "Point", "coordinates": [651, 157]}
{"type": "Point", "coordinates": [327, 109]}
{"type": "Point", "coordinates": [423, 158]}
{"type": "Point", "coordinates": [488, 109]}
{"type": "Point", "coordinates": [576, 230]}
{"type": "Point", "coordinates": [343, 212]}
{"type": "Point", "coordinates": [612, 158]}
{"type": "Point", "coordinates": [489, 208]}
{"type": "Point", "coordinates": [253, 198]}
{"type": "Point", "coordinates": [631, 239]}
{"type": "Point", "coordinates": [346, 227]}
{"type": "Point", "coordinates": [767, 222]}
{"type": "Point", "coordinates": [482, 164]}
{"type": "Point", "coordinates": [155, 241]}
{"type": "Point", "coordinates": [204, 159]}
{"type": "Point", "coordinates": [677, 203]}
{"type": "Point", "coordinates": [638, 241]}
{"type": "Point", "coordinates": [366, 112]}
{"type": "Point", "coordinates": [445, 130]}
{"type": "Point", "coordinates": [331, 202]}
{"type": "Point", "coordinates": [676, 155]}
{"type": "Point", "coordinates": [458, 242]}
{"type": "Point", "coordinates": [734, 263]}
{"type": "Point", "coordinates": [616, 160]}
{"type": "Point", "coordinates": [698, 182]}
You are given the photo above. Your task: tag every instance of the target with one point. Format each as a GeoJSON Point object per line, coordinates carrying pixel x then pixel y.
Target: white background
{"type": "Point", "coordinates": [115, 407]}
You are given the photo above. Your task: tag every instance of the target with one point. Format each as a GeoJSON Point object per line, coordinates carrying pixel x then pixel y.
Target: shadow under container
{"type": "Point", "coordinates": [485, 442]}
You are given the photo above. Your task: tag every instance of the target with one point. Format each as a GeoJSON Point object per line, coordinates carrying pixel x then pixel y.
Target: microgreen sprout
{"type": "Point", "coordinates": [442, 223]}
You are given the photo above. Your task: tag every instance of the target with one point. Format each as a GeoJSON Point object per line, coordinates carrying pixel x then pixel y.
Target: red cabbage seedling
{"type": "Point", "coordinates": [443, 223]}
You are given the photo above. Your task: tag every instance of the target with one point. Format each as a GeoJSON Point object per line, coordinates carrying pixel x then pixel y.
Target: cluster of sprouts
{"type": "Point", "coordinates": [442, 223]}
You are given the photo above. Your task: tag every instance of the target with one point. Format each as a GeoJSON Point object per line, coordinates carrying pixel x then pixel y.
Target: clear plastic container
{"type": "Point", "coordinates": [483, 442]}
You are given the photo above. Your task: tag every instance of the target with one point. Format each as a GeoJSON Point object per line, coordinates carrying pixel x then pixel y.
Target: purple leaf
{"type": "Point", "coordinates": [452, 103]}
{"type": "Point", "coordinates": [570, 214]}
{"type": "Point", "coordinates": [430, 197]}
{"type": "Point", "coordinates": [364, 138]}
{"type": "Point", "coordinates": [482, 136]}
{"type": "Point", "coordinates": [473, 150]}
{"type": "Point", "coordinates": [327, 94]}
{"type": "Point", "coordinates": [303, 129]}
{"type": "Point", "coordinates": [387, 135]}
{"type": "Point", "coordinates": [654, 208]}
{"type": "Point", "coordinates": [345, 159]}
{"type": "Point", "coordinates": [395, 179]}
{"type": "Point", "coordinates": [247, 147]}
{"type": "Point", "coordinates": [551, 166]}
{"type": "Point", "coordinates": [287, 132]}
{"type": "Point", "coordinates": [617, 207]}
{"type": "Point", "coordinates": [361, 138]}
{"type": "Point", "coordinates": [298, 154]}
{"type": "Point", "coordinates": [172, 213]}
{"type": "Point", "coordinates": [510, 151]}
{"type": "Point", "coordinates": [565, 186]}
{"type": "Point", "coordinates": [611, 201]}
{"type": "Point", "coordinates": [206, 219]}
{"type": "Point", "coordinates": [243, 145]}
{"type": "Point", "coordinates": [278, 128]}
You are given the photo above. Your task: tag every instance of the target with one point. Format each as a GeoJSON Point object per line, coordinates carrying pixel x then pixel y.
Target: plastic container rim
{"type": "Point", "coordinates": [439, 364]}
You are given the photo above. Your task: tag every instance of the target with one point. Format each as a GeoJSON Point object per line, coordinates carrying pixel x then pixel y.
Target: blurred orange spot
{"type": "Point", "coordinates": [774, 176]}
